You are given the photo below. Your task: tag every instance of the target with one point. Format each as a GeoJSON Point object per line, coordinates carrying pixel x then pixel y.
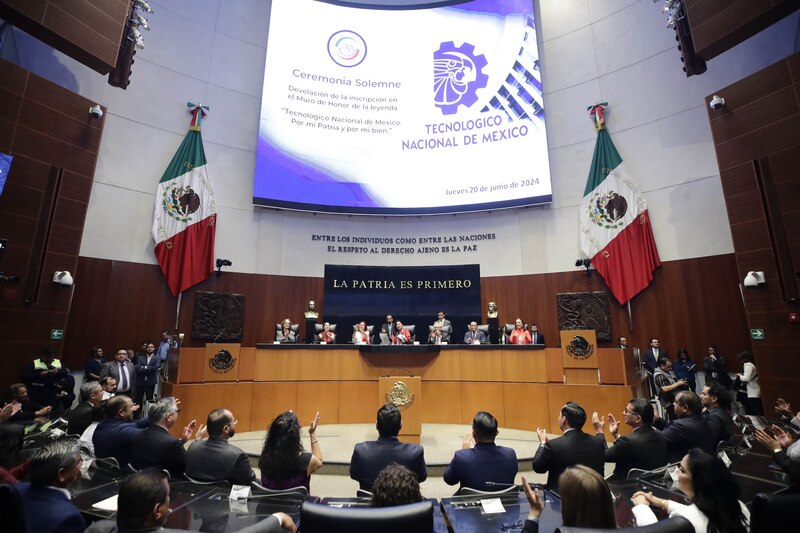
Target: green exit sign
{"type": "Point", "coordinates": [56, 334]}
{"type": "Point", "coordinates": [757, 334]}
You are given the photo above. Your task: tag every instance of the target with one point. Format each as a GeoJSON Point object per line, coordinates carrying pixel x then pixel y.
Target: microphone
{"type": "Point", "coordinates": [218, 336]}
{"type": "Point", "coordinates": [493, 484]}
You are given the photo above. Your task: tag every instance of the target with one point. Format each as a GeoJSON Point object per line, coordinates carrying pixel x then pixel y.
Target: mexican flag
{"type": "Point", "coordinates": [615, 228]}
{"type": "Point", "coordinates": [185, 216]}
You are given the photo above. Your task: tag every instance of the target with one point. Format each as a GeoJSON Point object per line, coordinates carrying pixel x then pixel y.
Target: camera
{"type": "Point", "coordinates": [223, 263]}
{"type": "Point", "coordinates": [96, 111]}
{"type": "Point", "coordinates": [717, 102]}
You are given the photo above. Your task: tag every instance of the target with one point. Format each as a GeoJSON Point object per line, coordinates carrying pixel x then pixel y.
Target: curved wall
{"type": "Point", "coordinates": [600, 50]}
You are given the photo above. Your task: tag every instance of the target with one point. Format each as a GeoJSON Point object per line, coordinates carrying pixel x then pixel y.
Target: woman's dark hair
{"type": "Point", "coordinates": [683, 351]}
{"type": "Point", "coordinates": [585, 499]}
{"type": "Point", "coordinates": [10, 443]}
{"type": "Point", "coordinates": [746, 357]}
{"type": "Point", "coordinates": [395, 485]}
{"type": "Point", "coordinates": [716, 493]}
{"type": "Point", "coordinates": [282, 447]}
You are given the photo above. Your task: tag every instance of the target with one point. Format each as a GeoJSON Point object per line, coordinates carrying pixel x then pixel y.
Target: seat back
{"type": "Point", "coordinates": [411, 329]}
{"type": "Point", "coordinates": [259, 489]}
{"type": "Point", "coordinates": [469, 491]}
{"type": "Point", "coordinates": [319, 327]}
{"type": "Point", "coordinates": [318, 518]}
{"type": "Point", "coordinates": [773, 512]}
{"type": "Point", "coordinates": [11, 509]}
{"type": "Point", "coordinates": [677, 524]}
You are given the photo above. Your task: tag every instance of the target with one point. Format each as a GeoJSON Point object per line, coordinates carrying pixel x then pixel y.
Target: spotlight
{"type": "Point", "coordinates": [136, 36]}
{"type": "Point", "coordinates": [222, 263]}
{"type": "Point", "coordinates": [139, 21]}
{"type": "Point", "coordinates": [144, 6]}
{"type": "Point", "coordinates": [754, 279]}
{"type": "Point", "coordinates": [63, 277]}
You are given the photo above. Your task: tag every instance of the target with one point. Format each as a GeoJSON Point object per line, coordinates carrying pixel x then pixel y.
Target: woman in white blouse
{"type": "Point", "coordinates": [749, 376]}
{"type": "Point", "coordinates": [714, 493]}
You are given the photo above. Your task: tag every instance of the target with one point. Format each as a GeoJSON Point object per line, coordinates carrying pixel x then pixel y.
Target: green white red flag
{"type": "Point", "coordinates": [185, 216]}
{"type": "Point", "coordinates": [615, 230]}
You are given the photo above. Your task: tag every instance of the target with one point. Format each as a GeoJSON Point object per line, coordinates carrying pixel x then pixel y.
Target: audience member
{"type": "Point", "coordinates": [519, 335]}
{"type": "Point", "coordinates": [369, 458]}
{"type": "Point", "coordinates": [91, 371]}
{"type": "Point", "coordinates": [167, 343]}
{"type": "Point", "coordinates": [395, 485]}
{"type": "Point", "coordinates": [686, 369]}
{"type": "Point", "coordinates": [109, 386]}
{"type": "Point", "coordinates": [143, 506]}
{"type": "Point", "coordinates": [586, 500]}
{"type": "Point", "coordinates": [480, 463]}
{"type": "Point", "coordinates": [749, 378]}
{"type": "Point", "coordinates": [689, 429]}
{"type": "Point", "coordinates": [785, 450]}
{"type": "Point", "coordinates": [574, 448]}
{"type": "Point", "coordinates": [114, 434]}
{"type": "Point", "coordinates": [653, 354]}
{"type": "Point", "coordinates": [401, 334]}
{"type": "Point", "coordinates": [474, 335]}
{"type": "Point", "coordinates": [10, 409]}
{"type": "Point", "coordinates": [12, 468]}
{"type": "Point", "coordinates": [622, 342]}
{"type": "Point", "coordinates": [46, 504]}
{"type": "Point", "coordinates": [286, 334]}
{"type": "Point", "coordinates": [155, 447]}
{"type": "Point", "coordinates": [146, 368]}
{"type": "Point", "coordinates": [716, 369]}
{"type": "Point", "coordinates": [80, 417]}
{"type": "Point", "coordinates": [49, 382]}
{"type": "Point", "coordinates": [784, 410]}
{"type": "Point", "coordinates": [714, 493]}
{"type": "Point", "coordinates": [216, 459]}
{"type": "Point", "coordinates": [716, 411]}
{"type": "Point", "coordinates": [667, 385]}
{"type": "Point", "coordinates": [28, 409]}
{"type": "Point", "coordinates": [644, 448]}
{"type": "Point", "coordinates": [284, 463]}
{"type": "Point", "coordinates": [87, 437]}
{"type": "Point", "coordinates": [122, 370]}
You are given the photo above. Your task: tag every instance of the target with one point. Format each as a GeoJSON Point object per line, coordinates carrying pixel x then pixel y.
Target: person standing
{"type": "Point", "coordinates": [146, 368]}
{"type": "Point", "coordinates": [91, 371]}
{"type": "Point", "coordinates": [536, 336]}
{"type": "Point", "coordinates": [123, 373]}
{"type": "Point", "coordinates": [749, 378]}
{"type": "Point", "coordinates": [686, 369]}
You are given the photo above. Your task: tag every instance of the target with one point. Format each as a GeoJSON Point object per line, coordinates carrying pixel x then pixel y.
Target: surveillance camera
{"type": "Point", "coordinates": [96, 111]}
{"type": "Point", "coordinates": [717, 102]}
{"type": "Point", "coordinates": [63, 277]}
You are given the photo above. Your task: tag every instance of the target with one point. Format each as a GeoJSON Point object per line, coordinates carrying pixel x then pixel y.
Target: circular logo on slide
{"type": "Point", "coordinates": [347, 48]}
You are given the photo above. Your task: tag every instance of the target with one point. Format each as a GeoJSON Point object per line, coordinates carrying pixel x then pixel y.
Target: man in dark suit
{"type": "Point", "coordinates": [146, 368]}
{"type": "Point", "coordinates": [716, 411]}
{"type": "Point", "coordinates": [387, 328]}
{"type": "Point", "coordinates": [645, 448]}
{"type": "Point", "coordinates": [123, 372]}
{"type": "Point", "coordinates": [574, 448]}
{"type": "Point", "coordinates": [480, 463]}
{"type": "Point", "coordinates": [81, 417]}
{"type": "Point", "coordinates": [689, 430]}
{"type": "Point", "coordinates": [114, 434]}
{"type": "Point", "coordinates": [474, 335]}
{"type": "Point", "coordinates": [536, 336]}
{"type": "Point", "coordinates": [215, 459]}
{"type": "Point", "coordinates": [143, 505]}
{"type": "Point", "coordinates": [369, 458]}
{"type": "Point", "coordinates": [155, 446]}
{"type": "Point", "coordinates": [652, 355]}
{"type": "Point", "coordinates": [46, 505]}
{"type": "Point", "coordinates": [445, 325]}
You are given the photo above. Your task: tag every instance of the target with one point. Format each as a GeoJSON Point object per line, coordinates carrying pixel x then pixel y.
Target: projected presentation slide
{"type": "Point", "coordinates": [402, 111]}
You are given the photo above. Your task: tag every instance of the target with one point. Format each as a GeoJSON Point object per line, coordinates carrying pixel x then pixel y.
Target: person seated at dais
{"type": "Point", "coordinates": [474, 335]}
{"type": "Point", "coordinates": [361, 335]}
{"type": "Point", "coordinates": [519, 335]}
{"type": "Point", "coordinates": [286, 335]}
{"type": "Point", "coordinates": [326, 335]}
{"type": "Point", "coordinates": [401, 334]}
{"type": "Point", "coordinates": [436, 336]}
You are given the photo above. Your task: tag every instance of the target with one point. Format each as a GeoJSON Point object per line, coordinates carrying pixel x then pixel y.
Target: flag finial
{"type": "Point", "coordinates": [199, 112]}
{"type": "Point", "coordinates": [596, 113]}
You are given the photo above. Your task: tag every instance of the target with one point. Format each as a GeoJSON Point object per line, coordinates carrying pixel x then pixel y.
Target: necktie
{"type": "Point", "coordinates": [123, 376]}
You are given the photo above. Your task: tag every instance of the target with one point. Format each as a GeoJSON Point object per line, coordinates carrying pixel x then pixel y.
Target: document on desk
{"type": "Point", "coordinates": [492, 506]}
{"type": "Point", "coordinates": [109, 504]}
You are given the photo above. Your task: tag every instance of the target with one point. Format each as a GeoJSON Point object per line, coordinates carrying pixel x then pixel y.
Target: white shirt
{"type": "Point", "coordinates": [750, 377]}
{"type": "Point", "coordinates": [645, 516]}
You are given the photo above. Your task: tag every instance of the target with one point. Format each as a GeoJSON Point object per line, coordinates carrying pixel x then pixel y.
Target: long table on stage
{"type": "Point", "coordinates": [523, 386]}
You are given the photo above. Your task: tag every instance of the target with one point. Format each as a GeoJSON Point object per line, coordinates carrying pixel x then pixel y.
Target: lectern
{"type": "Point", "coordinates": [406, 393]}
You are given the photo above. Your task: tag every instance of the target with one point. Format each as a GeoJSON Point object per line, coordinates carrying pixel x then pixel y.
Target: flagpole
{"type": "Point", "coordinates": [178, 310]}
{"type": "Point", "coordinates": [630, 317]}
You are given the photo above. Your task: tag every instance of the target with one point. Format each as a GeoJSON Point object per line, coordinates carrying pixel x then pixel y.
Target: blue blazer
{"type": "Point", "coordinates": [473, 467]}
{"type": "Point", "coordinates": [48, 510]}
{"type": "Point", "coordinates": [113, 438]}
{"type": "Point", "coordinates": [369, 458]}
{"type": "Point", "coordinates": [147, 375]}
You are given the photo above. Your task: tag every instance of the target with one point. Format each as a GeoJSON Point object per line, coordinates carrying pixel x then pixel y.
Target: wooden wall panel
{"type": "Point", "coordinates": [441, 402]}
{"type": "Point", "coordinates": [755, 125]}
{"type": "Point", "coordinates": [482, 397]}
{"type": "Point", "coordinates": [199, 400]}
{"type": "Point", "coordinates": [247, 363]}
{"type": "Point", "coordinates": [317, 365]}
{"type": "Point", "coordinates": [480, 365]}
{"type": "Point", "coordinates": [89, 31]}
{"type": "Point", "coordinates": [313, 396]}
{"type": "Point", "coordinates": [526, 405]}
{"type": "Point", "coordinates": [608, 399]}
{"type": "Point", "coordinates": [270, 400]}
{"type": "Point", "coordinates": [555, 365]}
{"type": "Point", "coordinates": [354, 404]}
{"type": "Point", "coordinates": [276, 365]}
{"type": "Point", "coordinates": [524, 365]}
{"type": "Point", "coordinates": [54, 143]}
{"type": "Point", "coordinates": [191, 367]}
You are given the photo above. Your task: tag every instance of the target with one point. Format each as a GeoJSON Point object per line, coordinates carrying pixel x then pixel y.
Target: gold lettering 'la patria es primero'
{"type": "Point", "coordinates": [402, 284]}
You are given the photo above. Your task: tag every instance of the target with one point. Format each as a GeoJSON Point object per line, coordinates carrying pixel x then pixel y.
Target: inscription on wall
{"type": "Point", "coordinates": [413, 245]}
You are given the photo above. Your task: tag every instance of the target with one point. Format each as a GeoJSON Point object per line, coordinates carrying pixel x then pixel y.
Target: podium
{"type": "Point", "coordinates": [406, 393]}
{"type": "Point", "coordinates": [579, 357]}
{"type": "Point", "coordinates": [221, 362]}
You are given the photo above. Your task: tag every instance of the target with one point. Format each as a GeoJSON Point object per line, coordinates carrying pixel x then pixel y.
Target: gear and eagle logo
{"type": "Point", "coordinates": [180, 202]}
{"type": "Point", "coordinates": [607, 210]}
{"type": "Point", "coordinates": [457, 76]}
